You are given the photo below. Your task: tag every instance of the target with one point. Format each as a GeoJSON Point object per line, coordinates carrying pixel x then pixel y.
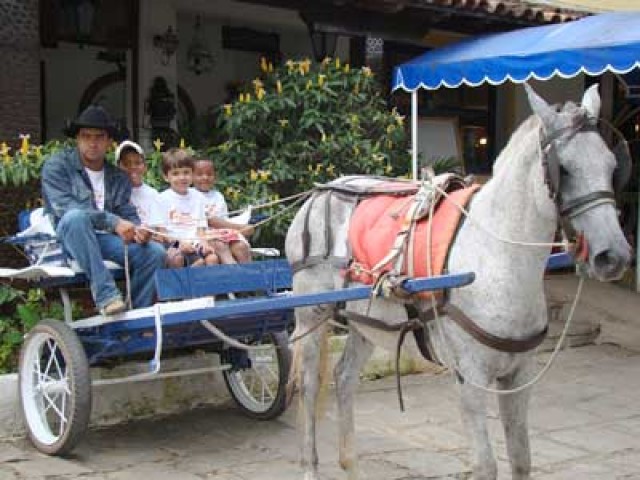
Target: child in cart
{"type": "Point", "coordinates": [181, 216]}
{"type": "Point", "coordinates": [226, 237]}
{"type": "Point", "coordinates": [130, 158]}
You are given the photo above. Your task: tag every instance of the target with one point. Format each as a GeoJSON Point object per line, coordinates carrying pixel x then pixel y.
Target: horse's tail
{"type": "Point", "coordinates": [295, 382]}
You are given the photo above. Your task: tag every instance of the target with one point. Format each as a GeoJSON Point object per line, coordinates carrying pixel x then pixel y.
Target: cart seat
{"type": "Point", "coordinates": [48, 262]}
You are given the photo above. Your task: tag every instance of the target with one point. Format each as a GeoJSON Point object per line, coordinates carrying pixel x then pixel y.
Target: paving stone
{"type": "Point", "coordinates": [596, 439]}
{"type": "Point", "coordinates": [43, 465]}
{"type": "Point", "coordinates": [151, 471]}
{"type": "Point", "coordinates": [11, 453]}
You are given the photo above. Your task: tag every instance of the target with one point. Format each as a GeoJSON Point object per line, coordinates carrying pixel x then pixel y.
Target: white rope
{"type": "Point", "coordinates": [538, 376]}
{"type": "Point", "coordinates": [466, 213]}
{"type": "Point", "coordinates": [275, 202]}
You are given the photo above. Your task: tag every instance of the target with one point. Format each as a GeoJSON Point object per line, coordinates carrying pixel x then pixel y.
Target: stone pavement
{"type": "Point", "coordinates": [585, 424]}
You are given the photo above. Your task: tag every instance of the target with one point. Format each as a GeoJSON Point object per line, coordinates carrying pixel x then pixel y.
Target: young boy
{"type": "Point", "coordinates": [130, 158]}
{"type": "Point", "coordinates": [226, 237]}
{"type": "Point", "coordinates": [181, 215]}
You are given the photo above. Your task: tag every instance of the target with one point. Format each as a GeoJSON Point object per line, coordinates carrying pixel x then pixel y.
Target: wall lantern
{"type": "Point", "coordinates": [199, 57]}
{"type": "Point", "coordinates": [167, 44]}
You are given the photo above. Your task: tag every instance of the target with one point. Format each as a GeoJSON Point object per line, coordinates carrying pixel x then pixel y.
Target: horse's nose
{"type": "Point", "coordinates": [610, 264]}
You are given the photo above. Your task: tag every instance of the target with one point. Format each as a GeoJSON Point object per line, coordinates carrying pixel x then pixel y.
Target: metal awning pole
{"type": "Point", "coordinates": [414, 134]}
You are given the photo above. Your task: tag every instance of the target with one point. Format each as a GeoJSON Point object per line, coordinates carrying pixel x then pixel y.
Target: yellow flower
{"type": "Point", "coordinates": [356, 150]}
{"type": "Point", "coordinates": [38, 150]}
{"type": "Point", "coordinates": [330, 169]}
{"type": "Point", "coordinates": [309, 85]}
{"type": "Point", "coordinates": [235, 194]}
{"type": "Point", "coordinates": [324, 137]}
{"type": "Point", "coordinates": [182, 143]}
{"type": "Point", "coordinates": [388, 168]}
{"type": "Point", "coordinates": [4, 151]}
{"type": "Point", "coordinates": [378, 157]}
{"type": "Point", "coordinates": [337, 63]}
{"type": "Point", "coordinates": [389, 144]}
{"type": "Point", "coordinates": [158, 144]}
{"type": "Point", "coordinates": [263, 64]}
{"type": "Point", "coordinates": [367, 71]}
{"type": "Point", "coordinates": [260, 93]}
{"type": "Point", "coordinates": [279, 87]}
{"type": "Point", "coordinates": [241, 98]}
{"type": "Point", "coordinates": [318, 168]}
{"type": "Point", "coordinates": [310, 168]}
{"type": "Point", "coordinates": [228, 109]}
{"type": "Point", "coordinates": [321, 80]}
{"type": "Point", "coordinates": [247, 97]}
{"type": "Point", "coordinates": [114, 145]}
{"type": "Point", "coordinates": [257, 84]}
{"type": "Point", "coordinates": [253, 175]}
{"type": "Point", "coordinates": [24, 146]}
{"type": "Point", "coordinates": [270, 68]}
{"type": "Point", "coordinates": [326, 61]}
{"type": "Point", "coordinates": [283, 122]}
{"type": "Point", "coordinates": [347, 68]}
{"type": "Point", "coordinates": [390, 128]}
{"type": "Point", "coordinates": [228, 191]}
{"type": "Point", "coordinates": [291, 65]}
{"type": "Point", "coordinates": [264, 175]}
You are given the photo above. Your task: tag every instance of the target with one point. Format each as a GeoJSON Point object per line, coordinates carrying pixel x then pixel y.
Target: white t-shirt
{"type": "Point", "coordinates": [181, 215]}
{"type": "Point", "coordinates": [97, 183]}
{"type": "Point", "coordinates": [216, 204]}
{"type": "Point", "coordinates": [145, 199]}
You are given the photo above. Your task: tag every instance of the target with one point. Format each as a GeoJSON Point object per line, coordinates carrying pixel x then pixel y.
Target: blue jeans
{"type": "Point", "coordinates": [83, 243]}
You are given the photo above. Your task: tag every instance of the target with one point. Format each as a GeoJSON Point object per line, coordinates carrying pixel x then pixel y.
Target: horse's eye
{"type": "Point", "coordinates": [563, 171]}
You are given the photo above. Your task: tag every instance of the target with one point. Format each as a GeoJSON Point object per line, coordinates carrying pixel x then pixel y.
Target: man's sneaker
{"type": "Point", "coordinates": [113, 307]}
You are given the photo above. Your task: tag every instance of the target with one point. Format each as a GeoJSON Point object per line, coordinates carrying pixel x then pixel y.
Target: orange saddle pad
{"type": "Point", "coordinates": [375, 225]}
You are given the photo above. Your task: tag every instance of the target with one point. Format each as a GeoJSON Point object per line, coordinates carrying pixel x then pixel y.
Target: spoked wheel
{"type": "Point", "coordinates": [55, 387]}
{"type": "Point", "coordinates": [260, 389]}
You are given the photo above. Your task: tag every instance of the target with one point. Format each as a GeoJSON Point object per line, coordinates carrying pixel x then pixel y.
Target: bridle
{"type": "Point", "coordinates": [551, 167]}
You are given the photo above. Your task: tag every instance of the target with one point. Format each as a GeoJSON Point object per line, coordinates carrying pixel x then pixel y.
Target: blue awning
{"type": "Point", "coordinates": [593, 45]}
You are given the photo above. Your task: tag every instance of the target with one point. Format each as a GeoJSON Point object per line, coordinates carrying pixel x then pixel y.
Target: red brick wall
{"type": "Point", "coordinates": [20, 70]}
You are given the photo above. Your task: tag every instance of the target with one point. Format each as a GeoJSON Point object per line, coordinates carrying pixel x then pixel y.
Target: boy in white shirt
{"type": "Point", "coordinates": [226, 237]}
{"type": "Point", "coordinates": [181, 217]}
{"type": "Point", "coordinates": [130, 158]}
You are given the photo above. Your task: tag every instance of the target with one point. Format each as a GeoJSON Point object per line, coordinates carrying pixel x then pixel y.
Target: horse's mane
{"type": "Point", "coordinates": [518, 145]}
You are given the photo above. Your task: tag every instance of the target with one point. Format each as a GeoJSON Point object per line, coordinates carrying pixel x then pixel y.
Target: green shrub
{"type": "Point", "coordinates": [303, 123]}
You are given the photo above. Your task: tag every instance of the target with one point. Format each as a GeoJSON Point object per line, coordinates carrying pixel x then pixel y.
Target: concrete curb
{"type": "Point", "coordinates": [121, 402]}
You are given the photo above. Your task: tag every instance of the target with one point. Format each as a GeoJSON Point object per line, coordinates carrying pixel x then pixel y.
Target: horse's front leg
{"type": "Point", "coordinates": [474, 413]}
{"type": "Point", "coordinates": [311, 346]}
{"type": "Point", "coordinates": [513, 413]}
{"type": "Point", "coordinates": [356, 352]}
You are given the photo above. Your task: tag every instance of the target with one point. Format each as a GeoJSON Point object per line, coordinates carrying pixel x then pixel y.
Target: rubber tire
{"type": "Point", "coordinates": [279, 404]}
{"type": "Point", "coordinates": [79, 378]}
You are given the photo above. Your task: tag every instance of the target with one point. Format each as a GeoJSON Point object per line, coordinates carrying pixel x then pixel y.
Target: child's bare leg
{"type": "Point", "coordinates": [199, 263]}
{"type": "Point", "coordinates": [211, 259]}
{"type": "Point", "coordinates": [224, 252]}
{"type": "Point", "coordinates": [240, 251]}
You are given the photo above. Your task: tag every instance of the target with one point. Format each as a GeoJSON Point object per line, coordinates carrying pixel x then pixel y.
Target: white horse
{"type": "Point", "coordinates": [556, 164]}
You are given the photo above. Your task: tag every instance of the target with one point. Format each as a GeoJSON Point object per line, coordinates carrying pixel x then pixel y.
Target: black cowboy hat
{"type": "Point", "coordinates": [94, 116]}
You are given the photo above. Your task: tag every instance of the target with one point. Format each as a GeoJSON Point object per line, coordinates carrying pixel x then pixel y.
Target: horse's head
{"type": "Point", "coordinates": [581, 172]}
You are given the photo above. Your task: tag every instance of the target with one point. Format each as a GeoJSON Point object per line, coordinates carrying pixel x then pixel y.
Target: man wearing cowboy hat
{"type": "Point", "coordinates": [89, 201]}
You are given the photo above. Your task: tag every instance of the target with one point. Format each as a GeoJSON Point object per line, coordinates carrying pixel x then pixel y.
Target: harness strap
{"type": "Point", "coordinates": [507, 345]}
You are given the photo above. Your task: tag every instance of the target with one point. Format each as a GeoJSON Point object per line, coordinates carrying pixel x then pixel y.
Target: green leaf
{"type": "Point", "coordinates": [28, 315]}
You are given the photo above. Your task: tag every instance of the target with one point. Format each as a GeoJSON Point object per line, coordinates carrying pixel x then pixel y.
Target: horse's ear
{"type": "Point", "coordinates": [591, 101]}
{"type": "Point", "coordinates": [540, 107]}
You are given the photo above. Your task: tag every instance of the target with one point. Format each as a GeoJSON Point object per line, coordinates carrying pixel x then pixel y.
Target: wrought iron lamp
{"type": "Point", "coordinates": [199, 57]}
{"type": "Point", "coordinates": [167, 43]}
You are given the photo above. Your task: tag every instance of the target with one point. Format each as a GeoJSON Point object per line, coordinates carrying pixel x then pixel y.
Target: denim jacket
{"type": "Point", "coordinates": [66, 186]}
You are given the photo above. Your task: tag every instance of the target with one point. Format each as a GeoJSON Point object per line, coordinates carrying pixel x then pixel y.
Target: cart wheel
{"type": "Point", "coordinates": [55, 387]}
{"type": "Point", "coordinates": [260, 390]}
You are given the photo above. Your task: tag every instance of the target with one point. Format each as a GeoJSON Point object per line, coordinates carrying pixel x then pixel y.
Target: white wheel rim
{"type": "Point", "coordinates": [256, 388]}
{"type": "Point", "coordinates": [45, 388]}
